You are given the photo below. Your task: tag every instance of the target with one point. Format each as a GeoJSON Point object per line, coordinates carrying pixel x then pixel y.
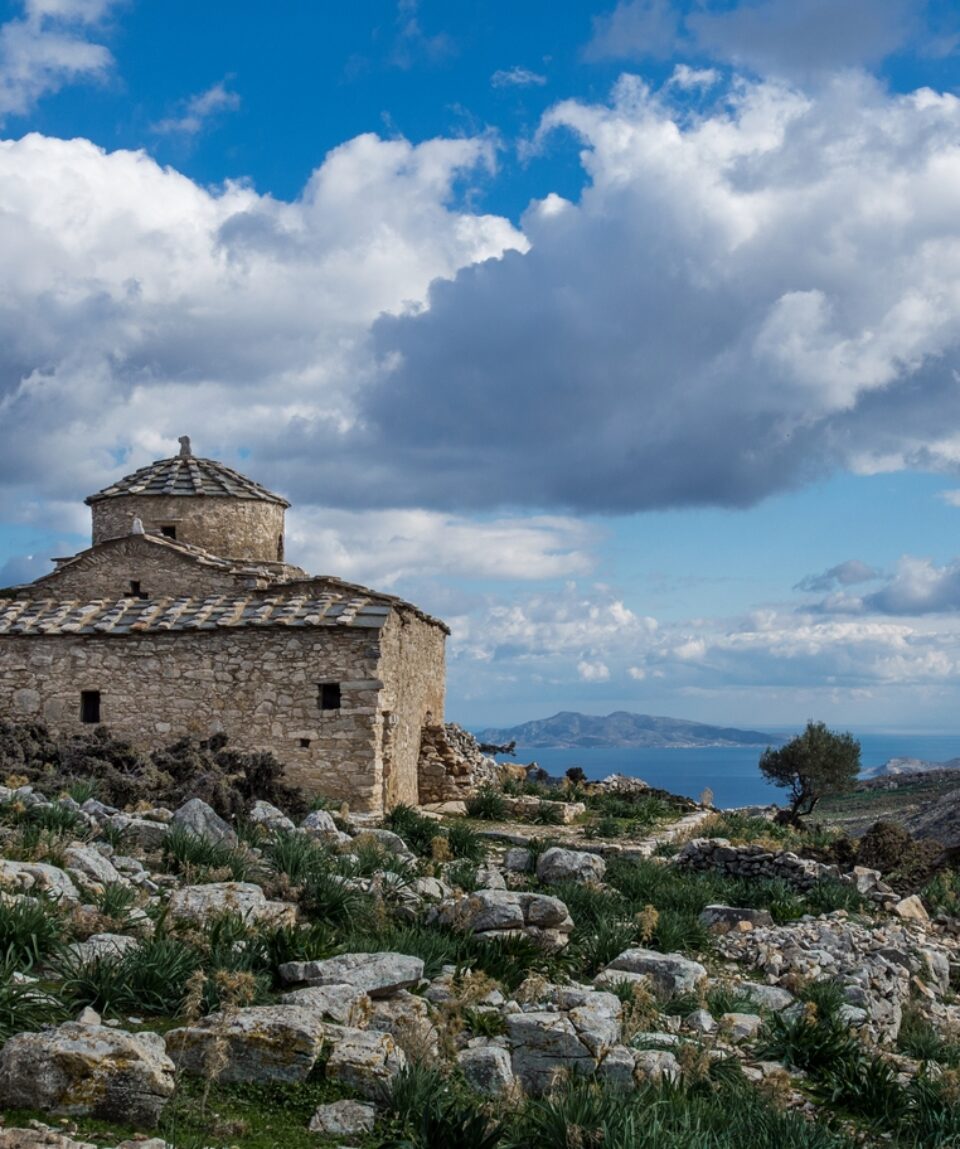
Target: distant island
{"type": "Point", "coordinates": [622, 729]}
{"type": "Point", "coordinates": [899, 766]}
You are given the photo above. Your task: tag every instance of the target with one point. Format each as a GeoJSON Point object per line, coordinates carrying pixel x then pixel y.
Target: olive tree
{"type": "Point", "coordinates": [816, 763]}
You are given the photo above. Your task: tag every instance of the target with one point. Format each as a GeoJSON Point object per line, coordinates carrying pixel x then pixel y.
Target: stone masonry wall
{"type": "Point", "coordinates": [412, 669]}
{"type": "Point", "coordinates": [161, 572]}
{"type": "Point", "coordinates": [260, 686]}
{"type": "Point", "coordinates": [231, 528]}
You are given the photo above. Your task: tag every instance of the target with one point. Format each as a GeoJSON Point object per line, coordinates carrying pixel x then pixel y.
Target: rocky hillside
{"type": "Point", "coordinates": [569, 729]}
{"type": "Point", "coordinates": [176, 979]}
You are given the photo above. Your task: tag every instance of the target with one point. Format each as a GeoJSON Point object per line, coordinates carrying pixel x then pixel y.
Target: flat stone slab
{"type": "Point", "coordinates": [669, 974]}
{"type": "Point", "coordinates": [78, 1070]}
{"type": "Point", "coordinates": [260, 1043]}
{"type": "Point", "coordinates": [378, 974]}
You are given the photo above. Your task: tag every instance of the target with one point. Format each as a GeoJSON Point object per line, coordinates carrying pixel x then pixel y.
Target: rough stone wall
{"type": "Point", "coordinates": [451, 765]}
{"type": "Point", "coordinates": [108, 572]}
{"type": "Point", "coordinates": [412, 670]}
{"type": "Point", "coordinates": [259, 686]}
{"type": "Point", "coordinates": [754, 861]}
{"type": "Point", "coordinates": [231, 528]}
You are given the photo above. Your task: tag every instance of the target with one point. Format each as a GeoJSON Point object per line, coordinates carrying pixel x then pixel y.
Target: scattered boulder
{"type": "Point", "coordinates": [37, 878]}
{"type": "Point", "coordinates": [487, 1068]}
{"type": "Point", "coordinates": [545, 1045]}
{"type": "Point", "coordinates": [722, 918]}
{"type": "Point", "coordinates": [657, 1065]}
{"type": "Point", "coordinates": [80, 1070]}
{"type": "Point", "coordinates": [560, 865]}
{"type": "Point", "coordinates": [365, 1060]}
{"type": "Point", "coordinates": [260, 1043]}
{"type": "Point", "coordinates": [343, 1119]}
{"type": "Point", "coordinates": [139, 833]}
{"type": "Point", "coordinates": [911, 909]}
{"type": "Point", "coordinates": [669, 974]}
{"type": "Point", "coordinates": [200, 903]}
{"type": "Point", "coordinates": [502, 913]}
{"type": "Point", "coordinates": [202, 820]}
{"type": "Point", "coordinates": [377, 974]}
{"type": "Point", "coordinates": [344, 1004]}
{"type": "Point", "coordinates": [88, 865]}
{"type": "Point", "coordinates": [269, 818]}
{"type": "Point", "coordinates": [740, 1026]}
{"type": "Point", "coordinates": [102, 946]}
{"type": "Point", "coordinates": [319, 823]}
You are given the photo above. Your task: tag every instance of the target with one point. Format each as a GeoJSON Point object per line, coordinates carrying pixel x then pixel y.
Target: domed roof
{"type": "Point", "coordinates": [185, 474]}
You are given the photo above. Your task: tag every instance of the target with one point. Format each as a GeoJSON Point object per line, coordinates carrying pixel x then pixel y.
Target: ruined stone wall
{"type": "Point", "coordinates": [231, 528]}
{"type": "Point", "coordinates": [108, 573]}
{"type": "Point", "coordinates": [412, 670]}
{"type": "Point", "coordinates": [451, 765]}
{"type": "Point", "coordinates": [259, 686]}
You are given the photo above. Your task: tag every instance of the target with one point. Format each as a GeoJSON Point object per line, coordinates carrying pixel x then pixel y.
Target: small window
{"type": "Point", "coordinates": [329, 695]}
{"type": "Point", "coordinates": [280, 549]}
{"type": "Point", "coordinates": [90, 706]}
{"type": "Point", "coordinates": [304, 743]}
{"type": "Point", "coordinates": [136, 590]}
{"type": "Point", "coordinates": [169, 532]}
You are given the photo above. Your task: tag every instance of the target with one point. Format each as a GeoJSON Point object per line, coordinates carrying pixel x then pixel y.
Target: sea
{"type": "Point", "coordinates": [729, 771]}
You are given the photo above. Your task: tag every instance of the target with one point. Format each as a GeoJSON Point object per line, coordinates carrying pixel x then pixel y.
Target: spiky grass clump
{"type": "Point", "coordinates": [190, 854]}
{"type": "Point", "coordinates": [30, 930]}
{"type": "Point", "coordinates": [487, 804]}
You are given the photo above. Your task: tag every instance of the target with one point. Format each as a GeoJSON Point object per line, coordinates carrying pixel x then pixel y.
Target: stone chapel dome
{"type": "Point", "coordinates": [196, 501]}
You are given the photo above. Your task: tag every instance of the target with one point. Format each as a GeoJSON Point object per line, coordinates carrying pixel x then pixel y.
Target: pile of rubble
{"type": "Point", "coordinates": [451, 765]}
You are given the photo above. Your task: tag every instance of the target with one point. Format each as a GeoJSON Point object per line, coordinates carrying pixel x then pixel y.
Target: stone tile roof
{"type": "Point", "coordinates": [187, 475]}
{"type": "Point", "coordinates": [36, 617]}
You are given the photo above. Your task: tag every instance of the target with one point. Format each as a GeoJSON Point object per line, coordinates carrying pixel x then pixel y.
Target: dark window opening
{"type": "Point", "coordinates": [304, 743]}
{"type": "Point", "coordinates": [90, 706]}
{"type": "Point", "coordinates": [280, 549]}
{"type": "Point", "coordinates": [136, 591]}
{"type": "Point", "coordinates": [329, 695]}
{"type": "Point", "coordinates": [168, 532]}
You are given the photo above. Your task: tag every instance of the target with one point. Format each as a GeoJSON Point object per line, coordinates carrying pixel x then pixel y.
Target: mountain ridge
{"type": "Point", "coordinates": [622, 728]}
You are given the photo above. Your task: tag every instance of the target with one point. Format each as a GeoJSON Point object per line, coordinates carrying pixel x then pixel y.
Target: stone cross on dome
{"type": "Point", "coordinates": [185, 451]}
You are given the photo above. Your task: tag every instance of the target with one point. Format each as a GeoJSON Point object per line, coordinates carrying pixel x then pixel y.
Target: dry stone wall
{"type": "Point", "coordinates": [233, 528]}
{"type": "Point", "coordinates": [451, 765]}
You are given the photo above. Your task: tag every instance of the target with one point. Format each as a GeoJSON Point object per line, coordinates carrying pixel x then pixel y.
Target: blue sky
{"type": "Point", "coordinates": [624, 336]}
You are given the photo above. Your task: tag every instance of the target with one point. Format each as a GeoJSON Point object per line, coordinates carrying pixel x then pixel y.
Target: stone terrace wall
{"type": "Point", "coordinates": [753, 861]}
{"type": "Point", "coordinates": [257, 685]}
{"type": "Point", "coordinates": [108, 571]}
{"type": "Point", "coordinates": [413, 671]}
{"type": "Point", "coordinates": [232, 528]}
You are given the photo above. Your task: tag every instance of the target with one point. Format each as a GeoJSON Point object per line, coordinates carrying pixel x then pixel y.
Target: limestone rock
{"type": "Point", "coordinates": [269, 817]}
{"type": "Point", "coordinates": [78, 1070]}
{"type": "Point", "coordinates": [560, 865]}
{"type": "Point", "coordinates": [343, 1119]}
{"type": "Point", "coordinates": [260, 1043]}
{"type": "Point", "coordinates": [771, 997]}
{"type": "Point", "coordinates": [617, 1068]}
{"type": "Point", "coordinates": [911, 909]}
{"type": "Point", "coordinates": [319, 823]}
{"type": "Point", "coordinates": [40, 1138]}
{"type": "Point", "coordinates": [202, 820]}
{"type": "Point", "coordinates": [487, 1068]}
{"type": "Point", "coordinates": [141, 833]}
{"type": "Point", "coordinates": [518, 860]}
{"type": "Point", "coordinates": [656, 1065]}
{"type": "Point", "coordinates": [366, 1061]}
{"type": "Point", "coordinates": [102, 946]}
{"type": "Point", "coordinates": [200, 903]}
{"type": "Point", "coordinates": [669, 974]}
{"type": "Point", "coordinates": [89, 865]}
{"type": "Point", "coordinates": [377, 974]}
{"type": "Point", "coordinates": [37, 878]}
{"type": "Point", "coordinates": [544, 1045]}
{"type": "Point", "coordinates": [730, 917]}
{"type": "Point", "coordinates": [344, 1004]}
{"type": "Point", "coordinates": [701, 1021]}
{"type": "Point", "coordinates": [740, 1026]}
{"type": "Point", "coordinates": [500, 913]}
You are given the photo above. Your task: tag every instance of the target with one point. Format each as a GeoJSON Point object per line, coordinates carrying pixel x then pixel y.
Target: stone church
{"type": "Point", "coordinates": [184, 618]}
